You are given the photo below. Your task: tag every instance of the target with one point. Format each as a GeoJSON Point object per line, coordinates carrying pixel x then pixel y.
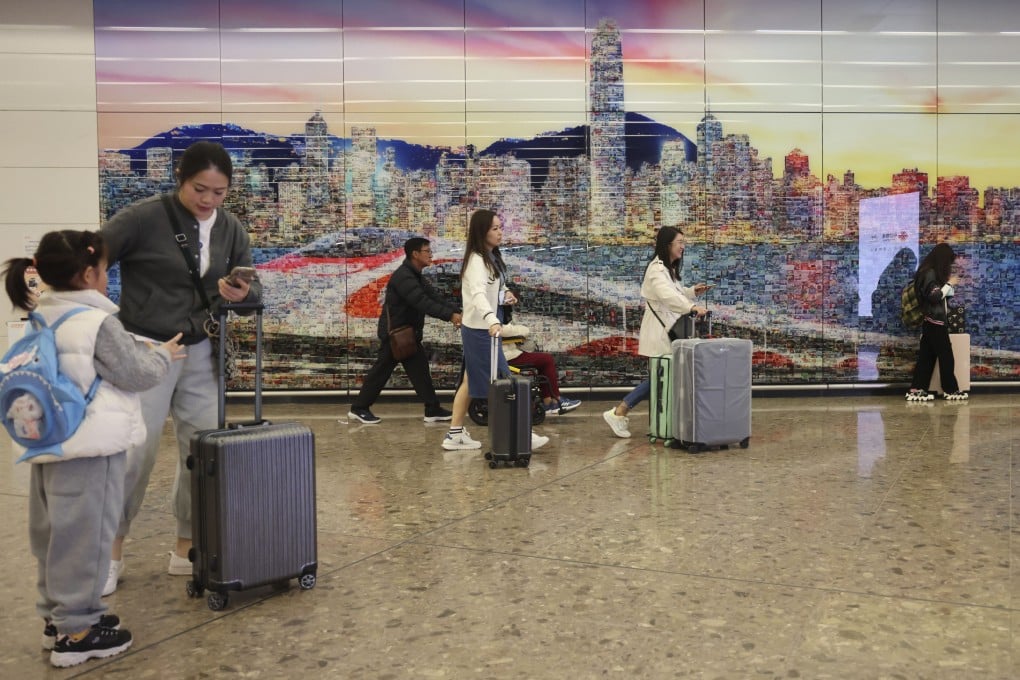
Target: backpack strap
{"type": "Point", "coordinates": [41, 322]}
{"type": "Point", "coordinates": [67, 315]}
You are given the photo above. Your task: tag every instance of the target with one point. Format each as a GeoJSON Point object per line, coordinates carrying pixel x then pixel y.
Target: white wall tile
{"type": "Point", "coordinates": [53, 26]}
{"type": "Point", "coordinates": [54, 197]}
{"type": "Point", "coordinates": [49, 139]}
{"type": "Point", "coordinates": [62, 82]}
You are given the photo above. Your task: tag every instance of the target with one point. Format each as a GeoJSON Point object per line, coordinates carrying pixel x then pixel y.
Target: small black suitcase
{"type": "Point", "coordinates": [252, 497]}
{"type": "Point", "coordinates": [509, 417]}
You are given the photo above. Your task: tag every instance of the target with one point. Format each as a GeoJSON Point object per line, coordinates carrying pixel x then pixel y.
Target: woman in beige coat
{"type": "Point", "coordinates": [668, 299]}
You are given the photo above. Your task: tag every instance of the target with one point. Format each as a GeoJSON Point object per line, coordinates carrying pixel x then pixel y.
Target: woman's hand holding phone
{"type": "Point", "coordinates": [235, 286]}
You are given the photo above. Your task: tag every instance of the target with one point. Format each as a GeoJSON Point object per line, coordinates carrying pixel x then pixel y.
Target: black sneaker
{"type": "Point", "coordinates": [50, 631]}
{"type": "Point", "coordinates": [363, 415]}
{"type": "Point", "coordinates": [99, 643]}
{"type": "Point", "coordinates": [435, 414]}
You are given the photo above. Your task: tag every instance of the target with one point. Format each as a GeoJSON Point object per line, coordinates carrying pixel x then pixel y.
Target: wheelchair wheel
{"type": "Point", "coordinates": [478, 411]}
{"type": "Point", "coordinates": [537, 410]}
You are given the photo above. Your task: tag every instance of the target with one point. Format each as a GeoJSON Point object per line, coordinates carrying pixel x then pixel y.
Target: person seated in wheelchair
{"type": "Point", "coordinates": [522, 353]}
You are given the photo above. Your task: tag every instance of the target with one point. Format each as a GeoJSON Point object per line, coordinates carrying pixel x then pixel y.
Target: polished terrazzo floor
{"type": "Point", "coordinates": [857, 537]}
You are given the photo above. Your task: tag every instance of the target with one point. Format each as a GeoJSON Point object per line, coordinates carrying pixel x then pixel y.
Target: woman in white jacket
{"type": "Point", "coordinates": [483, 289]}
{"type": "Point", "coordinates": [666, 296]}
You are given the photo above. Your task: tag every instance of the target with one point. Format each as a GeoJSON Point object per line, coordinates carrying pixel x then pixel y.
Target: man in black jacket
{"type": "Point", "coordinates": [410, 299]}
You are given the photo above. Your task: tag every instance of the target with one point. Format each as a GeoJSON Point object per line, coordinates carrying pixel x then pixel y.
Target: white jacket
{"type": "Point", "coordinates": [113, 419]}
{"type": "Point", "coordinates": [480, 294]}
{"type": "Point", "coordinates": [670, 299]}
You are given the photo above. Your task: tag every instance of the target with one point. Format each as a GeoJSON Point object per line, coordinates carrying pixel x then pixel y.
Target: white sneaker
{"type": "Point", "coordinates": [538, 441]}
{"type": "Point", "coordinates": [113, 576]}
{"type": "Point", "coordinates": [460, 442]}
{"type": "Point", "coordinates": [179, 566]}
{"type": "Point", "coordinates": [620, 424]}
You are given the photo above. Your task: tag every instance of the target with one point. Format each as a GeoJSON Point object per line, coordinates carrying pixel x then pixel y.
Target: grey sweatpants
{"type": "Point", "coordinates": [74, 507]}
{"type": "Point", "coordinates": [188, 393]}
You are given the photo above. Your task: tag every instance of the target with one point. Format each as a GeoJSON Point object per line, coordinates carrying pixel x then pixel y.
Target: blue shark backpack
{"type": "Point", "coordinates": [41, 407]}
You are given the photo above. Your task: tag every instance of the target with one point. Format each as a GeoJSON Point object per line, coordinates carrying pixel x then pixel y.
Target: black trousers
{"type": "Point", "coordinates": [416, 367]}
{"type": "Point", "coordinates": [935, 345]}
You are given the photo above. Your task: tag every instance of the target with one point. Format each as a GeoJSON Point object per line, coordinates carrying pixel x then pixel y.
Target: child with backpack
{"type": "Point", "coordinates": [76, 487]}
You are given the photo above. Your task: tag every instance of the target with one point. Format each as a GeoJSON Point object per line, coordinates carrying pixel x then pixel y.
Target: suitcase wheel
{"type": "Point", "coordinates": [745, 442]}
{"type": "Point", "coordinates": [307, 581]}
{"type": "Point", "coordinates": [193, 588]}
{"type": "Point", "coordinates": [493, 464]}
{"type": "Point", "coordinates": [523, 462]}
{"type": "Point", "coordinates": [695, 447]}
{"type": "Point", "coordinates": [217, 601]}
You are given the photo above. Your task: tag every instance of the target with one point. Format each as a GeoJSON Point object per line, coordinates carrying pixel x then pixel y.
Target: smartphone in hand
{"type": "Point", "coordinates": [238, 274]}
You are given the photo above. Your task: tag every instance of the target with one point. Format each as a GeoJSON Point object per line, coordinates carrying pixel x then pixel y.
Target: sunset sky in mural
{"type": "Point", "coordinates": [855, 91]}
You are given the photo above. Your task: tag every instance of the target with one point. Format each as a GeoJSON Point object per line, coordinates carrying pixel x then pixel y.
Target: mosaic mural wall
{"type": "Point", "coordinates": [811, 153]}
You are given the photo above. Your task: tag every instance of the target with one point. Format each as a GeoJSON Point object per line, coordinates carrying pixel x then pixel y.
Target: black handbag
{"type": "Point", "coordinates": [682, 328]}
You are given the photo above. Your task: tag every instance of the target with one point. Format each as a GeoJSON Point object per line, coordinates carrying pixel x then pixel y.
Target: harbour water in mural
{"type": "Point", "coordinates": [334, 170]}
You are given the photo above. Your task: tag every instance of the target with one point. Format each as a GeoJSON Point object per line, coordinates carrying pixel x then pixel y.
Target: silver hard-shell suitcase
{"type": "Point", "coordinates": [252, 497]}
{"type": "Point", "coordinates": [711, 392]}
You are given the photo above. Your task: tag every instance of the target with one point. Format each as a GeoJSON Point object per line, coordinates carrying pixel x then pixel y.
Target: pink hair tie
{"type": "Point", "coordinates": [92, 251]}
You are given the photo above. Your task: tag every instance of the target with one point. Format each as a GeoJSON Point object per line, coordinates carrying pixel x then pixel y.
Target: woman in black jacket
{"type": "Point", "coordinates": [935, 284]}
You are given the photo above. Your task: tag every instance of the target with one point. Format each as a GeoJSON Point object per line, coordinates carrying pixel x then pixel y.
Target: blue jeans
{"type": "Point", "coordinates": [638, 394]}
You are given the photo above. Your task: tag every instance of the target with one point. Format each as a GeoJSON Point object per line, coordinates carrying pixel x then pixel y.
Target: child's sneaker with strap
{"type": "Point", "coordinates": [96, 643]}
{"type": "Point", "coordinates": [49, 637]}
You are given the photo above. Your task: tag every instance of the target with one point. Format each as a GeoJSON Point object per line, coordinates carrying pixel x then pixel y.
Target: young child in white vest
{"type": "Point", "coordinates": [76, 491]}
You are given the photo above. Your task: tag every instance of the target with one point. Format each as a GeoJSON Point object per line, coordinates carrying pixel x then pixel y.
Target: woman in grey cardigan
{"type": "Point", "coordinates": [159, 298]}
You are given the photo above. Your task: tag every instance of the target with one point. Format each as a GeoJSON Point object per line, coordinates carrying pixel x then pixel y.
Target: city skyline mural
{"type": "Point", "coordinates": [807, 170]}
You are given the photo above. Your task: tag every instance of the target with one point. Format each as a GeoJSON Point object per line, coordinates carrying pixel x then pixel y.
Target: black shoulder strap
{"type": "Point", "coordinates": [182, 240]}
{"type": "Point", "coordinates": [652, 310]}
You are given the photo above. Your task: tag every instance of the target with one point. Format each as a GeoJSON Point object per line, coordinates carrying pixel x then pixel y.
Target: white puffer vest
{"type": "Point", "coordinates": [113, 419]}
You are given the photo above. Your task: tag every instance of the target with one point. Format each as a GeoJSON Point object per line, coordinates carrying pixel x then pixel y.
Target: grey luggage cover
{"type": "Point", "coordinates": [712, 391]}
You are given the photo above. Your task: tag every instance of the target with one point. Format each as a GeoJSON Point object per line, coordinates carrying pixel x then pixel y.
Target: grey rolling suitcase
{"type": "Point", "coordinates": [711, 393]}
{"type": "Point", "coordinates": [661, 411]}
{"type": "Point", "coordinates": [252, 498]}
{"type": "Point", "coordinates": [509, 417]}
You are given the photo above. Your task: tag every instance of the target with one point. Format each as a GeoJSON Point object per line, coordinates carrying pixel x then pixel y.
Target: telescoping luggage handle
{"type": "Point", "coordinates": [494, 357]}
{"type": "Point", "coordinates": [222, 318]}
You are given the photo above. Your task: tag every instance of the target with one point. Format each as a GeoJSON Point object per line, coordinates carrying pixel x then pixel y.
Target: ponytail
{"type": "Point", "coordinates": [61, 258]}
{"type": "Point", "coordinates": [16, 285]}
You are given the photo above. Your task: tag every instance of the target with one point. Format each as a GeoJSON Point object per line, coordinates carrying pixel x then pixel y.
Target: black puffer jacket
{"type": "Point", "coordinates": [410, 299]}
{"type": "Point", "coordinates": [929, 292]}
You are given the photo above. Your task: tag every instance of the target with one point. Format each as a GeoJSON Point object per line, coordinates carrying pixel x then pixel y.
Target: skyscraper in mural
{"type": "Point", "coordinates": [608, 151]}
{"type": "Point", "coordinates": [317, 160]}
